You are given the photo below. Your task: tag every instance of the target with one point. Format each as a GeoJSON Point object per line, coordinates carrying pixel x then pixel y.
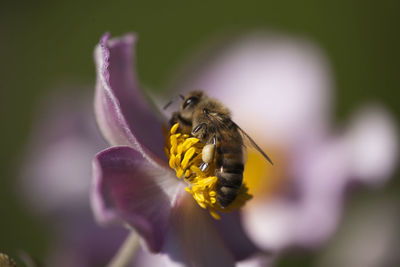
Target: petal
{"type": "Point", "coordinates": [127, 187]}
{"type": "Point", "coordinates": [122, 112]}
{"type": "Point", "coordinates": [193, 238]}
{"type": "Point", "coordinates": [56, 176]}
{"type": "Point", "coordinates": [236, 240]}
{"type": "Point", "coordinates": [372, 141]}
{"type": "Point", "coordinates": [282, 83]}
{"type": "Point", "coordinates": [56, 172]}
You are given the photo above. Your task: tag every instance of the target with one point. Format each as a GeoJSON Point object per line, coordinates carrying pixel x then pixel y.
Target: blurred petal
{"type": "Point", "coordinates": [282, 83]}
{"type": "Point", "coordinates": [56, 178]}
{"type": "Point", "coordinates": [126, 186]}
{"type": "Point", "coordinates": [56, 173]}
{"type": "Point", "coordinates": [372, 141]}
{"type": "Point", "coordinates": [123, 114]}
{"type": "Point", "coordinates": [193, 239]}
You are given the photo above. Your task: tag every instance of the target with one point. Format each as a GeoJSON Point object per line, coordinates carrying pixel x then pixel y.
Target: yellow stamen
{"type": "Point", "coordinates": [185, 156]}
{"type": "Point", "coordinates": [174, 128]}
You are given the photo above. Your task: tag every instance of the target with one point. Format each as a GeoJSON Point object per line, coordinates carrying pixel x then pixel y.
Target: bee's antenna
{"type": "Point", "coordinates": [172, 101]}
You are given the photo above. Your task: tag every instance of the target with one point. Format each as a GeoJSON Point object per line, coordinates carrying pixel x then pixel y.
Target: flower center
{"type": "Point", "coordinates": [185, 156]}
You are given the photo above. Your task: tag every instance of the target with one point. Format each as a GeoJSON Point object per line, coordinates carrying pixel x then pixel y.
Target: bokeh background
{"type": "Point", "coordinates": [48, 44]}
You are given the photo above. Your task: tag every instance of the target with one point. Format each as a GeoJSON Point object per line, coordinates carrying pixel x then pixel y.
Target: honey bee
{"type": "Point", "coordinates": [210, 121]}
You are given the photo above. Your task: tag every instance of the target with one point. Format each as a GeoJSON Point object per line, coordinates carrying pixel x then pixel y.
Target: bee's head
{"type": "Point", "coordinates": [190, 104]}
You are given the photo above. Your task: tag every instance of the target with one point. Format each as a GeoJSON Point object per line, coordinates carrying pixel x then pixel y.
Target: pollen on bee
{"type": "Point", "coordinates": [185, 157]}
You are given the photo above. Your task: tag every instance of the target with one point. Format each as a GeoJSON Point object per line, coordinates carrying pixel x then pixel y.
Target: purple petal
{"type": "Point", "coordinates": [239, 243]}
{"type": "Point", "coordinates": [193, 238]}
{"type": "Point", "coordinates": [122, 112]}
{"type": "Point", "coordinates": [128, 187]}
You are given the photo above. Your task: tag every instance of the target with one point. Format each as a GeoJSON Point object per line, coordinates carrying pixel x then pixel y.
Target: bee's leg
{"type": "Point", "coordinates": [198, 128]}
{"type": "Point", "coordinates": [208, 154]}
{"type": "Point", "coordinates": [203, 166]}
{"type": "Point", "coordinates": [174, 118]}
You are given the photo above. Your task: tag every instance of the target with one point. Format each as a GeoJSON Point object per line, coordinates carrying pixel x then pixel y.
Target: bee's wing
{"type": "Point", "coordinates": [246, 138]}
{"type": "Point", "coordinates": [252, 143]}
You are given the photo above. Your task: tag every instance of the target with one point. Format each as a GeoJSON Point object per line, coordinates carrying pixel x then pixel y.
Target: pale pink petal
{"type": "Point", "coordinates": [373, 145]}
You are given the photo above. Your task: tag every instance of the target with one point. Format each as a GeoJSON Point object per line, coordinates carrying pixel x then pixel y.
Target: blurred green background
{"type": "Point", "coordinates": [48, 44]}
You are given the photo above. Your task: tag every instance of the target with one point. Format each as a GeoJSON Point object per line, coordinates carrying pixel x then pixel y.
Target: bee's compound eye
{"type": "Point", "coordinates": [191, 100]}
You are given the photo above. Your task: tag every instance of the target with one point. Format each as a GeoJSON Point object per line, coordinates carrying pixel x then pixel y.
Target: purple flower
{"type": "Point", "coordinates": [279, 90]}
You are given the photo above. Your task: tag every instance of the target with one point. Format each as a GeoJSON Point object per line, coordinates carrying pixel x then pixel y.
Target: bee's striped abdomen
{"type": "Point", "coordinates": [230, 169]}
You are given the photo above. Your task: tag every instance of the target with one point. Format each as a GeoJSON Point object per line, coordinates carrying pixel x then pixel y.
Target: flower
{"type": "Point", "coordinates": [279, 90]}
{"type": "Point", "coordinates": [133, 183]}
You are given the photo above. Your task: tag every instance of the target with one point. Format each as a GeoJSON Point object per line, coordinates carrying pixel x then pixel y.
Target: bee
{"type": "Point", "coordinates": [210, 121]}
